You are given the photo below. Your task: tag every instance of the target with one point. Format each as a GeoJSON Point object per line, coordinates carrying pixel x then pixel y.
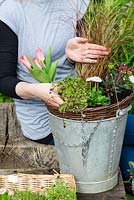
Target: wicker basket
{"type": "Point", "coordinates": [97, 113]}
{"type": "Point", "coordinates": [36, 183]}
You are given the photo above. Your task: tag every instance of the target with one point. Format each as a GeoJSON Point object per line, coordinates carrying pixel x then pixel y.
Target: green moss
{"type": "Point", "coordinates": [78, 94]}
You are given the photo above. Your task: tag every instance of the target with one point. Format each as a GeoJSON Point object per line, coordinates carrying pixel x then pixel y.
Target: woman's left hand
{"type": "Point", "coordinates": [80, 50]}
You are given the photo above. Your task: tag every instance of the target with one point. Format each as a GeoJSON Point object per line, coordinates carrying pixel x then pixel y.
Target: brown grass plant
{"type": "Point", "coordinates": [109, 23]}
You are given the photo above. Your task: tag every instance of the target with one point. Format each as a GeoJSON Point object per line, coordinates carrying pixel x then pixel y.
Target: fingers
{"type": "Point", "coordinates": [80, 40]}
{"type": "Point", "coordinates": [91, 53]}
{"type": "Point", "coordinates": [94, 53]}
{"type": "Point", "coordinates": [89, 60]}
{"type": "Point", "coordinates": [54, 100]}
{"type": "Point", "coordinates": [96, 47]}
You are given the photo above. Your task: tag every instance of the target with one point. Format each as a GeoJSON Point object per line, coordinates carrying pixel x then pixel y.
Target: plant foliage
{"type": "Point", "coordinates": [58, 191]}
{"type": "Point", "coordinates": [4, 98]}
{"type": "Point", "coordinates": [130, 181]}
{"type": "Point", "coordinates": [78, 95]}
{"type": "Point", "coordinates": [129, 197]}
{"type": "Point", "coordinates": [109, 23]}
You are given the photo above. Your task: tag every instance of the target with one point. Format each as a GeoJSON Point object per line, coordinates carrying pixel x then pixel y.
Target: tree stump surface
{"type": "Point", "coordinates": [17, 152]}
{"type": "Point", "coordinates": [117, 193]}
{"type": "Point", "coordinates": [25, 157]}
{"type": "Point", "coordinates": [9, 127]}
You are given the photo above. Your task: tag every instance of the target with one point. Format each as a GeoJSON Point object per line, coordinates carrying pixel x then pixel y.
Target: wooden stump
{"type": "Point", "coordinates": [117, 193]}
{"type": "Point", "coordinates": [28, 155]}
{"type": "Point", "coordinates": [18, 152]}
{"type": "Point", "coordinates": [9, 127]}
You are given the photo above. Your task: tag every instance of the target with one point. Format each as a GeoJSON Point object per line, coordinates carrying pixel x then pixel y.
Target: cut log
{"type": "Point", "coordinates": [18, 152]}
{"type": "Point", "coordinates": [9, 127]}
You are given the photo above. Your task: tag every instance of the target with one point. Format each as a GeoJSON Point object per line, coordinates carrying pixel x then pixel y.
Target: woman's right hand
{"type": "Point", "coordinates": [45, 91]}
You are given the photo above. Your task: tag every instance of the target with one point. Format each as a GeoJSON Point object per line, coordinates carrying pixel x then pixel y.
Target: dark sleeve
{"type": "Point", "coordinates": [8, 61]}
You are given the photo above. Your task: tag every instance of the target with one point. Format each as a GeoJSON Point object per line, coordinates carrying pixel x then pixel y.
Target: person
{"type": "Point", "coordinates": [26, 25]}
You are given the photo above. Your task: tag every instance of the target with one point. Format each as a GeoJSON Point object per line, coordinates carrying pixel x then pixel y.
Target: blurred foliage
{"type": "Point", "coordinates": [132, 109]}
{"type": "Point", "coordinates": [4, 98]}
{"type": "Point", "coordinates": [129, 197]}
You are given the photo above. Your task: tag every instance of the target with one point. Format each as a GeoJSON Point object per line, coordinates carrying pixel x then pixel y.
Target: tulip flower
{"type": "Point", "coordinates": [36, 61]}
{"type": "Point", "coordinates": [40, 55]}
{"type": "Point", "coordinates": [43, 72]}
{"type": "Point", "coordinates": [94, 79]}
{"type": "Point", "coordinates": [24, 60]}
{"type": "Point", "coordinates": [2, 190]}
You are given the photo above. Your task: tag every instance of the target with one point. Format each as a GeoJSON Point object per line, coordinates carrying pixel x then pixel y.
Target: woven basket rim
{"type": "Point", "coordinates": [34, 182]}
{"type": "Point", "coordinates": [94, 113]}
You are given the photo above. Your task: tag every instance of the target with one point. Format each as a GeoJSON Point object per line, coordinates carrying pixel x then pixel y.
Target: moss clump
{"type": "Point", "coordinates": [78, 94]}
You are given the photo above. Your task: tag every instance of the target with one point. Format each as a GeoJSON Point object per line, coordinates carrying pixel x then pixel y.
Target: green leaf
{"type": "Point", "coordinates": [48, 60]}
{"type": "Point", "coordinates": [129, 197]}
{"type": "Point", "coordinates": [131, 164]}
{"type": "Point", "coordinates": [4, 98]}
{"type": "Point", "coordinates": [32, 63]}
{"type": "Point", "coordinates": [52, 70]}
{"type": "Point", "coordinates": [131, 171]}
{"type": "Point", "coordinates": [40, 75]}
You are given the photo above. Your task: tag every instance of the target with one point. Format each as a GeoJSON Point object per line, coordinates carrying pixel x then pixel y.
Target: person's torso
{"type": "Point", "coordinates": [40, 24]}
{"type": "Point", "coordinates": [46, 24]}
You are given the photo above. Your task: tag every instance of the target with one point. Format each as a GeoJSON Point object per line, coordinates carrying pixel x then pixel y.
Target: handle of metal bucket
{"type": "Point", "coordinates": [121, 112]}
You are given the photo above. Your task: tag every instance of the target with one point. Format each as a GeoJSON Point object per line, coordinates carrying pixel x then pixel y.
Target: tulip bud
{"type": "Point", "coordinates": [36, 61]}
{"type": "Point", "coordinates": [40, 55]}
{"type": "Point", "coordinates": [24, 60]}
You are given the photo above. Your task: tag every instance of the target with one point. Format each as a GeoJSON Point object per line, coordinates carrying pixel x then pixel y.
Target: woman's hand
{"type": "Point", "coordinates": [80, 50]}
{"type": "Point", "coordinates": [45, 91]}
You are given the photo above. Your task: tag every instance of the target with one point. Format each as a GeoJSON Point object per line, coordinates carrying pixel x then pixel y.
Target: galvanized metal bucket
{"type": "Point", "coordinates": [90, 150]}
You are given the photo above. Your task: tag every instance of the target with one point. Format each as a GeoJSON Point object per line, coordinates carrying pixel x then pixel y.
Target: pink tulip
{"type": "Point", "coordinates": [36, 61]}
{"type": "Point", "coordinates": [40, 55]}
{"type": "Point", "coordinates": [24, 60]}
{"type": "Point", "coordinates": [2, 190]}
{"type": "Point", "coordinates": [94, 79]}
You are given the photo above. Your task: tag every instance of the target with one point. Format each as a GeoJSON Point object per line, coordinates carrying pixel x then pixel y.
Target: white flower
{"type": "Point", "coordinates": [13, 179]}
{"type": "Point", "coordinates": [2, 190]}
{"type": "Point", "coordinates": [94, 79]}
{"type": "Point", "coordinates": [131, 78]}
{"type": "Point", "coordinates": [10, 192]}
